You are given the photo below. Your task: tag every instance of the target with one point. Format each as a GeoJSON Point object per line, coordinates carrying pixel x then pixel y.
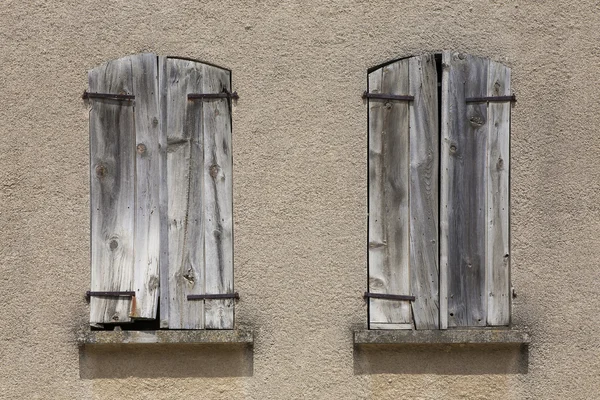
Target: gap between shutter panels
{"type": "Point", "coordinates": [224, 319]}
{"type": "Point", "coordinates": [501, 275]}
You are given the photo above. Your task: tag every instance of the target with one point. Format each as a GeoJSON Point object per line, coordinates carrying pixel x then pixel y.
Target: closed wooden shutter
{"type": "Point", "coordinates": [474, 193]}
{"type": "Point", "coordinates": [125, 185]}
{"type": "Point", "coordinates": [463, 282]}
{"type": "Point", "coordinates": [403, 195]}
{"type": "Point", "coordinates": [161, 192]}
{"type": "Point", "coordinates": [200, 198]}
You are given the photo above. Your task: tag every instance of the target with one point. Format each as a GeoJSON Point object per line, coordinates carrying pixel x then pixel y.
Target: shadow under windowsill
{"type": "Point", "coordinates": [160, 354]}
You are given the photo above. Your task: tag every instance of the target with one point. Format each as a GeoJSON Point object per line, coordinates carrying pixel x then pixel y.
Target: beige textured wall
{"type": "Point", "coordinates": [299, 196]}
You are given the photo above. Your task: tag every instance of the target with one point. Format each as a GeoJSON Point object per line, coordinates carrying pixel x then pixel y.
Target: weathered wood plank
{"type": "Point", "coordinates": [463, 195]}
{"type": "Point", "coordinates": [218, 204]}
{"type": "Point", "coordinates": [185, 202]}
{"type": "Point", "coordinates": [424, 144]}
{"type": "Point", "coordinates": [444, 188]}
{"type": "Point", "coordinates": [112, 157]}
{"type": "Point", "coordinates": [164, 297]}
{"type": "Point", "coordinates": [388, 197]}
{"type": "Point", "coordinates": [148, 180]}
{"type": "Point", "coordinates": [497, 200]}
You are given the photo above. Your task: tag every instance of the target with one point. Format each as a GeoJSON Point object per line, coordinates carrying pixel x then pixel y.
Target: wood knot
{"type": "Point", "coordinates": [141, 148]}
{"type": "Point", "coordinates": [189, 276]}
{"type": "Point", "coordinates": [477, 120]}
{"type": "Point", "coordinates": [101, 171]}
{"type": "Point", "coordinates": [452, 148]}
{"type": "Point", "coordinates": [153, 282]}
{"type": "Point", "coordinates": [214, 171]}
{"type": "Point", "coordinates": [154, 121]}
{"type": "Point", "coordinates": [113, 244]}
{"type": "Point", "coordinates": [388, 105]}
{"type": "Point", "coordinates": [500, 163]}
{"type": "Point", "coordinates": [497, 87]}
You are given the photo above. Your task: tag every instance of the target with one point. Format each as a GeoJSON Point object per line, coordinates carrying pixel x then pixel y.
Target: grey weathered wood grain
{"type": "Point", "coordinates": [444, 189]}
{"type": "Point", "coordinates": [163, 194]}
{"type": "Point", "coordinates": [388, 197]}
{"type": "Point", "coordinates": [112, 190]}
{"type": "Point", "coordinates": [424, 144]}
{"type": "Point", "coordinates": [186, 272]}
{"type": "Point", "coordinates": [148, 181]}
{"type": "Point", "coordinates": [497, 200]}
{"type": "Point", "coordinates": [218, 199]}
{"type": "Point", "coordinates": [463, 193]}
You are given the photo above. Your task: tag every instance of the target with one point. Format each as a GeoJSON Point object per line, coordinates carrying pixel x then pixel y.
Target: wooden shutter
{"type": "Point", "coordinates": [199, 179]}
{"type": "Point", "coordinates": [403, 195]}
{"type": "Point", "coordinates": [474, 255]}
{"type": "Point", "coordinates": [125, 189]}
{"type": "Point", "coordinates": [161, 192]}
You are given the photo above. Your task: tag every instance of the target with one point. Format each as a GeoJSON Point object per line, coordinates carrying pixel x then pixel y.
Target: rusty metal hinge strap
{"type": "Point", "coordinates": [384, 96]}
{"type": "Point", "coordinates": [110, 96]}
{"type": "Point", "coordinates": [213, 296]}
{"type": "Point", "coordinates": [386, 296]}
{"type": "Point", "coordinates": [225, 94]}
{"type": "Point", "coordinates": [89, 294]}
{"type": "Point", "coordinates": [491, 99]}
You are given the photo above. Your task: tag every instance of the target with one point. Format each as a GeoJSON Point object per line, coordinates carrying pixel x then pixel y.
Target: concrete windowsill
{"type": "Point", "coordinates": [442, 337]}
{"type": "Point", "coordinates": [233, 337]}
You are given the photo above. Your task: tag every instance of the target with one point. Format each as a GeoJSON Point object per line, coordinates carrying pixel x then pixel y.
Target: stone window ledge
{"type": "Point", "coordinates": [178, 337]}
{"type": "Point", "coordinates": [442, 337]}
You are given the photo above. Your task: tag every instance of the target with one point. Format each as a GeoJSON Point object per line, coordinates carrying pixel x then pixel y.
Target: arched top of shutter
{"type": "Point", "coordinates": [128, 59]}
{"type": "Point", "coordinates": [439, 56]}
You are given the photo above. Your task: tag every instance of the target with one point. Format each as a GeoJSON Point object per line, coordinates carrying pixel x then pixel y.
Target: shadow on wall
{"type": "Point", "coordinates": [164, 361]}
{"type": "Point", "coordinates": [441, 359]}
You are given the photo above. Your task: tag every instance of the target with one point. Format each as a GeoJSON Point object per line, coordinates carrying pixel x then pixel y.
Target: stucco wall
{"type": "Point", "coordinates": [300, 140]}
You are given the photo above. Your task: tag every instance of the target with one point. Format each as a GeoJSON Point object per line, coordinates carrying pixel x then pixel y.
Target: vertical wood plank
{"type": "Point", "coordinates": [185, 201]}
{"type": "Point", "coordinates": [497, 200]}
{"type": "Point", "coordinates": [218, 205]}
{"type": "Point", "coordinates": [148, 181]}
{"type": "Point", "coordinates": [424, 139]}
{"type": "Point", "coordinates": [112, 149]}
{"type": "Point", "coordinates": [446, 170]}
{"type": "Point", "coordinates": [388, 198]}
{"type": "Point", "coordinates": [463, 199]}
{"type": "Point", "coordinates": [164, 297]}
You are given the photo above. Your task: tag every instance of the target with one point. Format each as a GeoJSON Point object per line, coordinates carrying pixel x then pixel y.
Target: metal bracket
{"type": "Point", "coordinates": [385, 296]}
{"type": "Point", "coordinates": [89, 294]}
{"type": "Point", "coordinates": [383, 96]}
{"type": "Point", "coordinates": [213, 296]}
{"type": "Point", "coordinates": [491, 99]}
{"type": "Point", "coordinates": [226, 94]}
{"type": "Point", "coordinates": [110, 96]}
